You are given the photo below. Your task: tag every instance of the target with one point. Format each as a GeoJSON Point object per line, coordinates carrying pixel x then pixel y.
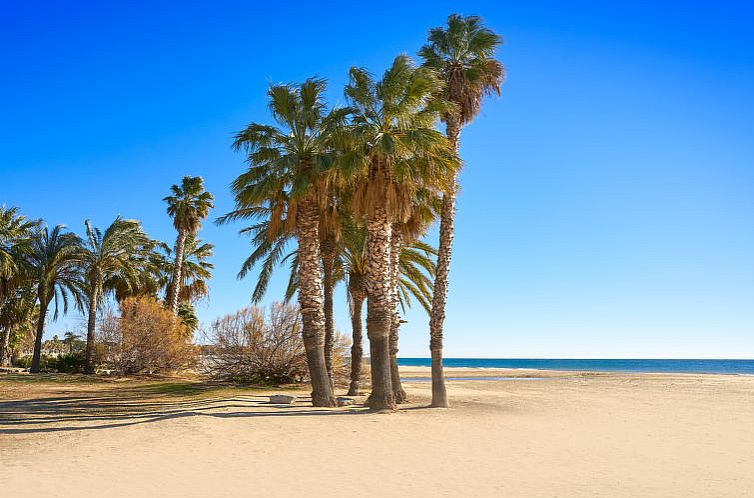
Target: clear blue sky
{"type": "Point", "coordinates": [608, 197]}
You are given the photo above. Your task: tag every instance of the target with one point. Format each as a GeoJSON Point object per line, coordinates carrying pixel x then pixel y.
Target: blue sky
{"type": "Point", "coordinates": [607, 207]}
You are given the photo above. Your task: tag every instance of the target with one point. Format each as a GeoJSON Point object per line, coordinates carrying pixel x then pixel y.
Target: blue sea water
{"type": "Point", "coordinates": [597, 365]}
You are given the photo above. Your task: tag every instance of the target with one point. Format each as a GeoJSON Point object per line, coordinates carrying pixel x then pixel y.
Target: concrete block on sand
{"type": "Point", "coordinates": [282, 399]}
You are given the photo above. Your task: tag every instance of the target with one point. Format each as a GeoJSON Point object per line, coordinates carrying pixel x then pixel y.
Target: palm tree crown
{"type": "Point", "coordinates": [189, 204]}
{"type": "Point", "coordinates": [54, 261]}
{"type": "Point", "coordinates": [289, 161]}
{"type": "Point", "coordinates": [16, 233]}
{"type": "Point", "coordinates": [463, 54]}
{"type": "Point", "coordinates": [395, 146]}
{"type": "Point", "coordinates": [114, 253]}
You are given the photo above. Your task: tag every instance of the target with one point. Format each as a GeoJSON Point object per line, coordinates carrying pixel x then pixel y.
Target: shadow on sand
{"type": "Point", "coordinates": [144, 404]}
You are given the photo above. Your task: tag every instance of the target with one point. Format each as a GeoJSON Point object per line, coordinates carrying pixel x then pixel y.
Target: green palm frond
{"type": "Point", "coordinates": [462, 53]}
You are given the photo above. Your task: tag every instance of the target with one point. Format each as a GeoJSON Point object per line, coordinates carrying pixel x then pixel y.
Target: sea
{"type": "Point", "coordinates": [745, 367]}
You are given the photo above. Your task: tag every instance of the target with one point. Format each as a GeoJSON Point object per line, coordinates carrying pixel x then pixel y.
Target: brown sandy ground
{"type": "Point", "coordinates": [565, 434]}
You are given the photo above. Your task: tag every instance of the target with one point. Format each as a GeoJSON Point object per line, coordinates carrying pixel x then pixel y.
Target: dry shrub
{"type": "Point", "coordinates": [341, 353]}
{"type": "Point", "coordinates": [248, 346]}
{"type": "Point", "coordinates": [146, 338]}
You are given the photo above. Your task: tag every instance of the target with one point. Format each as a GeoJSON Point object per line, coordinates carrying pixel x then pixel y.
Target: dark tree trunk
{"type": "Point", "coordinates": [356, 289]}
{"type": "Point", "coordinates": [396, 246]}
{"type": "Point", "coordinates": [440, 291]}
{"type": "Point", "coordinates": [379, 312]}
{"type": "Point", "coordinates": [327, 248]}
{"type": "Point", "coordinates": [172, 297]}
{"type": "Point", "coordinates": [310, 301]}
{"type": "Point", "coordinates": [37, 357]}
{"type": "Point", "coordinates": [91, 327]}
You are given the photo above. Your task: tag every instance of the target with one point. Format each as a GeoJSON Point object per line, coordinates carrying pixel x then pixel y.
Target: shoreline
{"type": "Point", "coordinates": [544, 372]}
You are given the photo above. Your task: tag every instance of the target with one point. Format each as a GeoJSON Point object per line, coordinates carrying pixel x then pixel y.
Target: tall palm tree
{"type": "Point", "coordinates": [416, 269]}
{"type": "Point", "coordinates": [105, 256]}
{"type": "Point", "coordinates": [287, 177]}
{"type": "Point", "coordinates": [396, 151]}
{"type": "Point", "coordinates": [463, 53]}
{"type": "Point", "coordinates": [16, 232]}
{"type": "Point", "coordinates": [188, 206]}
{"type": "Point", "coordinates": [54, 262]}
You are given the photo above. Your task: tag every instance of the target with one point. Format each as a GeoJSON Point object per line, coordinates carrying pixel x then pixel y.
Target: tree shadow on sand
{"type": "Point", "coordinates": [126, 406]}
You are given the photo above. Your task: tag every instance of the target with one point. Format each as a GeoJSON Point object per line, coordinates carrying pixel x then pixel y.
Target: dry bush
{"type": "Point", "coordinates": [145, 338]}
{"type": "Point", "coordinates": [341, 355]}
{"type": "Point", "coordinates": [248, 346]}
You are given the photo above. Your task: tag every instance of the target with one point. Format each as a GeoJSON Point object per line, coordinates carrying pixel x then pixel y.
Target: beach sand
{"type": "Point", "coordinates": [567, 435]}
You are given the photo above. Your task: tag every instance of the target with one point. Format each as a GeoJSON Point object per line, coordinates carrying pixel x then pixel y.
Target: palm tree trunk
{"type": "Point", "coordinates": [327, 249]}
{"type": "Point", "coordinates": [4, 339]}
{"type": "Point", "coordinates": [175, 283]}
{"type": "Point", "coordinates": [356, 288]}
{"type": "Point", "coordinates": [440, 291]}
{"type": "Point", "coordinates": [36, 358]}
{"type": "Point", "coordinates": [379, 312]}
{"type": "Point", "coordinates": [396, 245]}
{"type": "Point", "coordinates": [310, 301]}
{"type": "Point", "coordinates": [91, 326]}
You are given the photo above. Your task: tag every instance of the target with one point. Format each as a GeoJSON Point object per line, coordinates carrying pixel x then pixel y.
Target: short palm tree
{"type": "Point", "coordinates": [287, 178]}
{"type": "Point", "coordinates": [196, 270]}
{"type": "Point", "coordinates": [112, 254]}
{"type": "Point", "coordinates": [395, 151]}
{"type": "Point", "coordinates": [69, 339]}
{"type": "Point", "coordinates": [414, 280]}
{"type": "Point", "coordinates": [188, 205]}
{"type": "Point", "coordinates": [54, 263]}
{"type": "Point", "coordinates": [463, 54]}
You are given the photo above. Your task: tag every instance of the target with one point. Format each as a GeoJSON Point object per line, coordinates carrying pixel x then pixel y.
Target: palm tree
{"type": "Point", "coordinates": [16, 232]}
{"type": "Point", "coordinates": [287, 179]}
{"type": "Point", "coordinates": [415, 270]}
{"type": "Point", "coordinates": [18, 317]}
{"type": "Point", "coordinates": [54, 262]}
{"type": "Point", "coordinates": [188, 206]}
{"type": "Point", "coordinates": [196, 270]}
{"type": "Point", "coordinates": [396, 151]}
{"type": "Point", "coordinates": [328, 246]}
{"type": "Point", "coordinates": [187, 315]}
{"type": "Point", "coordinates": [463, 53]}
{"type": "Point", "coordinates": [69, 339]}
{"type": "Point", "coordinates": [105, 256]}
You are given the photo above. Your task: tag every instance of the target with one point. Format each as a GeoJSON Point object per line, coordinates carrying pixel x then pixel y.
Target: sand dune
{"type": "Point", "coordinates": [567, 435]}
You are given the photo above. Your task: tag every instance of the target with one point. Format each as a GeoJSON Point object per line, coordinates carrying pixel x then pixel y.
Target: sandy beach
{"type": "Point", "coordinates": [562, 434]}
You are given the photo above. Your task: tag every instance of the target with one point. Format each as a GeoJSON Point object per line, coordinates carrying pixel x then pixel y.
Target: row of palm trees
{"type": "Point", "coordinates": [45, 269]}
{"type": "Point", "coordinates": [357, 188]}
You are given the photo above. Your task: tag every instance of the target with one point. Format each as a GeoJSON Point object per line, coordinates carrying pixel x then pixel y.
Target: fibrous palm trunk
{"type": "Point", "coordinates": [396, 245]}
{"type": "Point", "coordinates": [440, 291]}
{"type": "Point", "coordinates": [310, 301]}
{"type": "Point", "coordinates": [356, 289]}
{"type": "Point", "coordinates": [37, 356]}
{"type": "Point", "coordinates": [91, 325]}
{"type": "Point", "coordinates": [379, 310]}
{"type": "Point", "coordinates": [327, 248]}
{"type": "Point", "coordinates": [4, 339]}
{"type": "Point", "coordinates": [174, 287]}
